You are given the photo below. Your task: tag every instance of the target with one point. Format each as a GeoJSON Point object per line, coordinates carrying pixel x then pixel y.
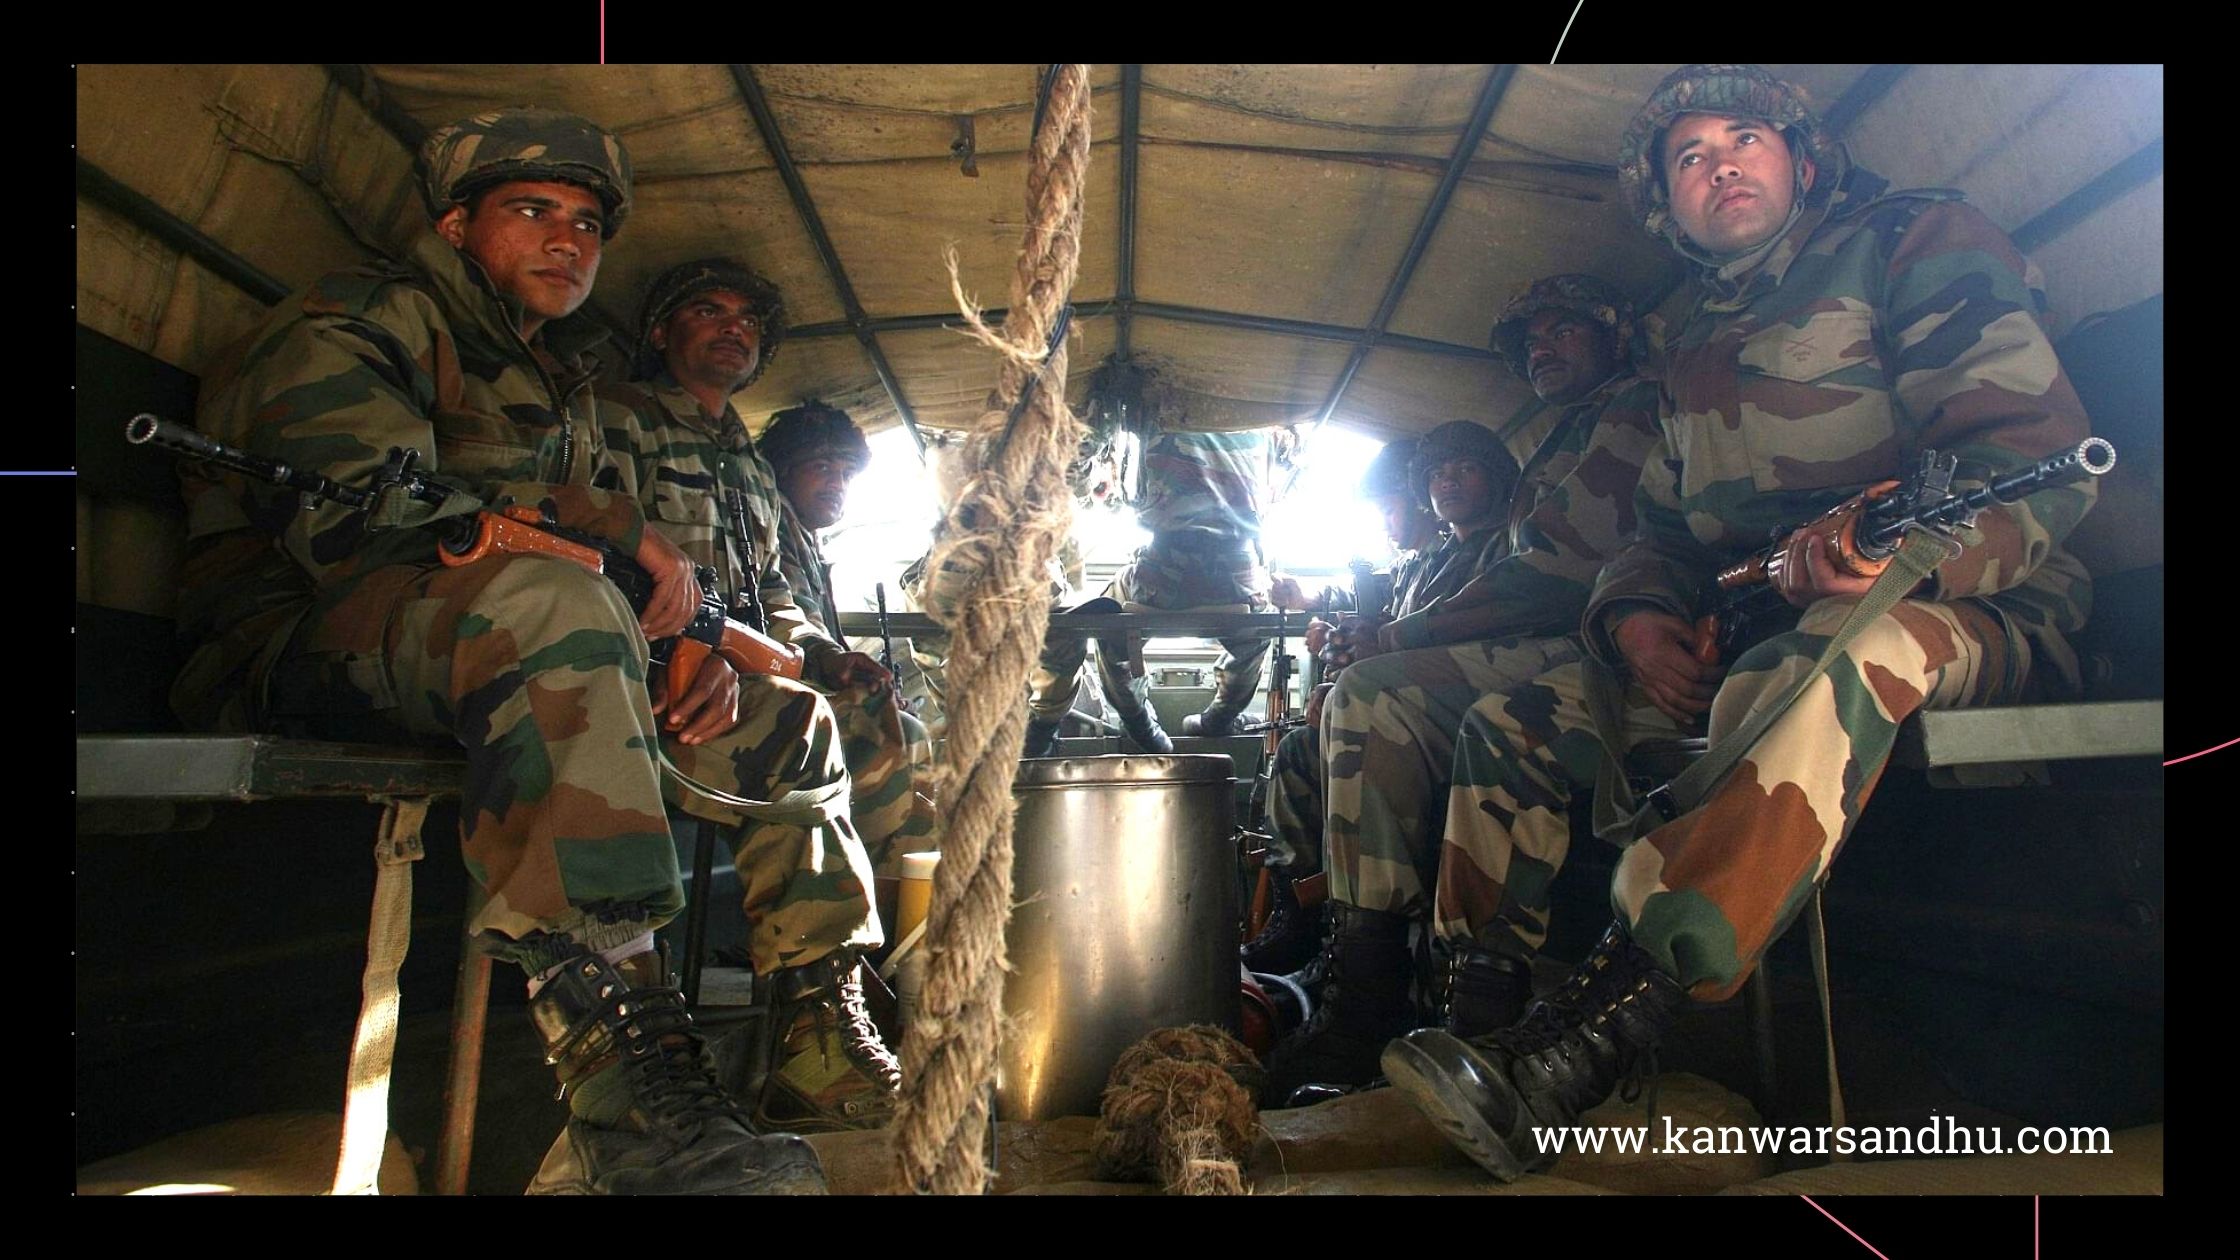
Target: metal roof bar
{"type": "Point", "coordinates": [1166, 310]}
{"type": "Point", "coordinates": [1131, 123]}
{"type": "Point", "coordinates": [2080, 205]}
{"type": "Point", "coordinates": [858, 323]}
{"type": "Point", "coordinates": [106, 190]}
{"type": "Point", "coordinates": [1489, 97]}
{"type": "Point", "coordinates": [1860, 97]}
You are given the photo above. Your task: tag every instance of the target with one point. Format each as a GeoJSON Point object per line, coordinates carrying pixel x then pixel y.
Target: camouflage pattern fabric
{"type": "Point", "coordinates": [1588, 297]}
{"type": "Point", "coordinates": [1205, 483]}
{"type": "Point", "coordinates": [712, 494]}
{"type": "Point", "coordinates": [1295, 803]}
{"type": "Point", "coordinates": [424, 357]}
{"type": "Point", "coordinates": [1201, 501]}
{"type": "Point", "coordinates": [888, 752]}
{"type": "Point", "coordinates": [535, 667]}
{"type": "Point", "coordinates": [1708, 892]}
{"type": "Point", "coordinates": [1388, 748]}
{"type": "Point", "coordinates": [679, 284]}
{"type": "Point", "coordinates": [1874, 327]}
{"type": "Point", "coordinates": [1739, 90]}
{"type": "Point", "coordinates": [706, 487]}
{"type": "Point", "coordinates": [801, 559]}
{"type": "Point", "coordinates": [1191, 580]}
{"type": "Point", "coordinates": [524, 142]}
{"type": "Point", "coordinates": [1483, 615]}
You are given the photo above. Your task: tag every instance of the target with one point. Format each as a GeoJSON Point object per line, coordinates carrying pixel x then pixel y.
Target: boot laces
{"type": "Point", "coordinates": [670, 1073]}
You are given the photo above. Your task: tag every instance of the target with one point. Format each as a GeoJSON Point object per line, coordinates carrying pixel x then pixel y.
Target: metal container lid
{"type": "Point", "coordinates": [1050, 772]}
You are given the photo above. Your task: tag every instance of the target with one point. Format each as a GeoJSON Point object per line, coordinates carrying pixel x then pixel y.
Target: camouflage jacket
{"type": "Point", "coordinates": [802, 559]}
{"type": "Point", "coordinates": [1878, 325]}
{"type": "Point", "coordinates": [1209, 483]}
{"type": "Point", "coordinates": [703, 484]}
{"type": "Point", "coordinates": [426, 356]}
{"type": "Point", "coordinates": [1573, 511]}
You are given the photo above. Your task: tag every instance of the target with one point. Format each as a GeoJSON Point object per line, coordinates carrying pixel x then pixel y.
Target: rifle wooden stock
{"type": "Point", "coordinates": [739, 645]}
{"type": "Point", "coordinates": [520, 531]}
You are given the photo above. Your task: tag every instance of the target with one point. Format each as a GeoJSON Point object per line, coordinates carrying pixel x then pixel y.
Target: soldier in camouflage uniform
{"type": "Point", "coordinates": [815, 450]}
{"type": "Point", "coordinates": [1202, 503]}
{"type": "Point", "coordinates": [311, 619]}
{"type": "Point", "coordinates": [1293, 931]}
{"type": "Point", "coordinates": [1841, 328]}
{"type": "Point", "coordinates": [707, 328]}
{"type": "Point", "coordinates": [1505, 616]}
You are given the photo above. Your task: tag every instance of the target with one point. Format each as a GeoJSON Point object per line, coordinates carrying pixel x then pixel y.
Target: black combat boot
{"type": "Point", "coordinates": [1142, 725]}
{"type": "Point", "coordinates": [665, 1125]}
{"type": "Point", "coordinates": [1485, 990]}
{"type": "Point", "coordinates": [1291, 937]}
{"type": "Point", "coordinates": [829, 1070]}
{"type": "Point", "coordinates": [1219, 718]}
{"type": "Point", "coordinates": [1042, 738]}
{"type": "Point", "coordinates": [1364, 1004]}
{"type": "Point", "coordinates": [1570, 1051]}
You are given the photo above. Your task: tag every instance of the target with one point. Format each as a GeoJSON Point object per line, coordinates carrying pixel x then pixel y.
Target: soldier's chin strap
{"type": "Point", "coordinates": [805, 808]}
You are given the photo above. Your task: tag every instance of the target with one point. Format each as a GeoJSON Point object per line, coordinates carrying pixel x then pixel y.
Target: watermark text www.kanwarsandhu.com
{"type": "Point", "coordinates": [1942, 1135]}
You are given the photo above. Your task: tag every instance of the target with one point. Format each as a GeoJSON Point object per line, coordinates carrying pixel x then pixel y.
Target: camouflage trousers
{"type": "Point", "coordinates": [1388, 748]}
{"type": "Point", "coordinates": [1295, 804]}
{"type": "Point", "coordinates": [1165, 579]}
{"type": "Point", "coordinates": [537, 669]}
{"type": "Point", "coordinates": [890, 775]}
{"type": "Point", "coordinates": [1057, 675]}
{"type": "Point", "coordinates": [1707, 892]}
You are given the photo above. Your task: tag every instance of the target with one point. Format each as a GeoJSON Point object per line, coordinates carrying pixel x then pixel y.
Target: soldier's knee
{"type": "Point", "coordinates": [540, 602]}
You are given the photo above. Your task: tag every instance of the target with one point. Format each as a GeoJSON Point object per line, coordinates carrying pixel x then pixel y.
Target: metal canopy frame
{"type": "Point", "coordinates": [1124, 306]}
{"type": "Point", "coordinates": [1481, 117]}
{"type": "Point", "coordinates": [767, 124]}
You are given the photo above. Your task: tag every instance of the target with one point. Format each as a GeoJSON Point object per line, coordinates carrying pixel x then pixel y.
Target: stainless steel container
{"type": "Point", "coordinates": [1126, 920]}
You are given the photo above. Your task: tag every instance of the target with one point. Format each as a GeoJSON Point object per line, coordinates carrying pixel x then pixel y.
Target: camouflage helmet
{"type": "Point", "coordinates": [1585, 296]}
{"type": "Point", "coordinates": [1462, 439]}
{"type": "Point", "coordinates": [813, 430]}
{"type": "Point", "coordinates": [1742, 91]}
{"type": "Point", "coordinates": [1388, 472]}
{"type": "Point", "coordinates": [685, 281]}
{"type": "Point", "coordinates": [525, 142]}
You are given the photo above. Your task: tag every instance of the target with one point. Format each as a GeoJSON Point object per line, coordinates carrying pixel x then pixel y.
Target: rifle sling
{"type": "Point", "coordinates": [1620, 818]}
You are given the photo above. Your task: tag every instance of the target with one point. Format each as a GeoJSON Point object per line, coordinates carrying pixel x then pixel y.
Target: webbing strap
{"type": "Point", "coordinates": [1620, 818]}
{"type": "Point", "coordinates": [1816, 930]}
{"type": "Point", "coordinates": [365, 1111]}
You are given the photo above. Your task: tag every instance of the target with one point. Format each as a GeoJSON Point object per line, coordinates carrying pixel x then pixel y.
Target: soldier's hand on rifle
{"type": "Point", "coordinates": [1659, 648]}
{"type": "Point", "coordinates": [709, 707]}
{"type": "Point", "coordinates": [858, 669]}
{"type": "Point", "coordinates": [1806, 574]}
{"type": "Point", "coordinates": [676, 586]}
{"type": "Point", "coordinates": [1356, 639]}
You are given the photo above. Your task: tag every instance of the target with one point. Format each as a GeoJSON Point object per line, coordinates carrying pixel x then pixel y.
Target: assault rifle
{"type": "Point", "coordinates": [1863, 533]}
{"type": "Point", "coordinates": [513, 529]}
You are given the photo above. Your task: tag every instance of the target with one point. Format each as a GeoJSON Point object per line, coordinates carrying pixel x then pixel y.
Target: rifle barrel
{"type": "Point", "coordinates": [2093, 457]}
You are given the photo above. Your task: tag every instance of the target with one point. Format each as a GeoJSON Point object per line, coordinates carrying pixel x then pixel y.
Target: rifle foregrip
{"type": "Point", "coordinates": [752, 652]}
{"type": "Point", "coordinates": [495, 532]}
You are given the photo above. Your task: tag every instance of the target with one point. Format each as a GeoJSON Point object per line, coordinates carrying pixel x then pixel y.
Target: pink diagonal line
{"type": "Point", "coordinates": [2203, 753]}
{"type": "Point", "coordinates": [1845, 1228]}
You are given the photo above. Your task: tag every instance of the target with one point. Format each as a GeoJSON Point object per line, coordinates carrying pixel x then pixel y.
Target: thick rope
{"type": "Point", "coordinates": [1178, 1110]}
{"type": "Point", "coordinates": [1009, 518]}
